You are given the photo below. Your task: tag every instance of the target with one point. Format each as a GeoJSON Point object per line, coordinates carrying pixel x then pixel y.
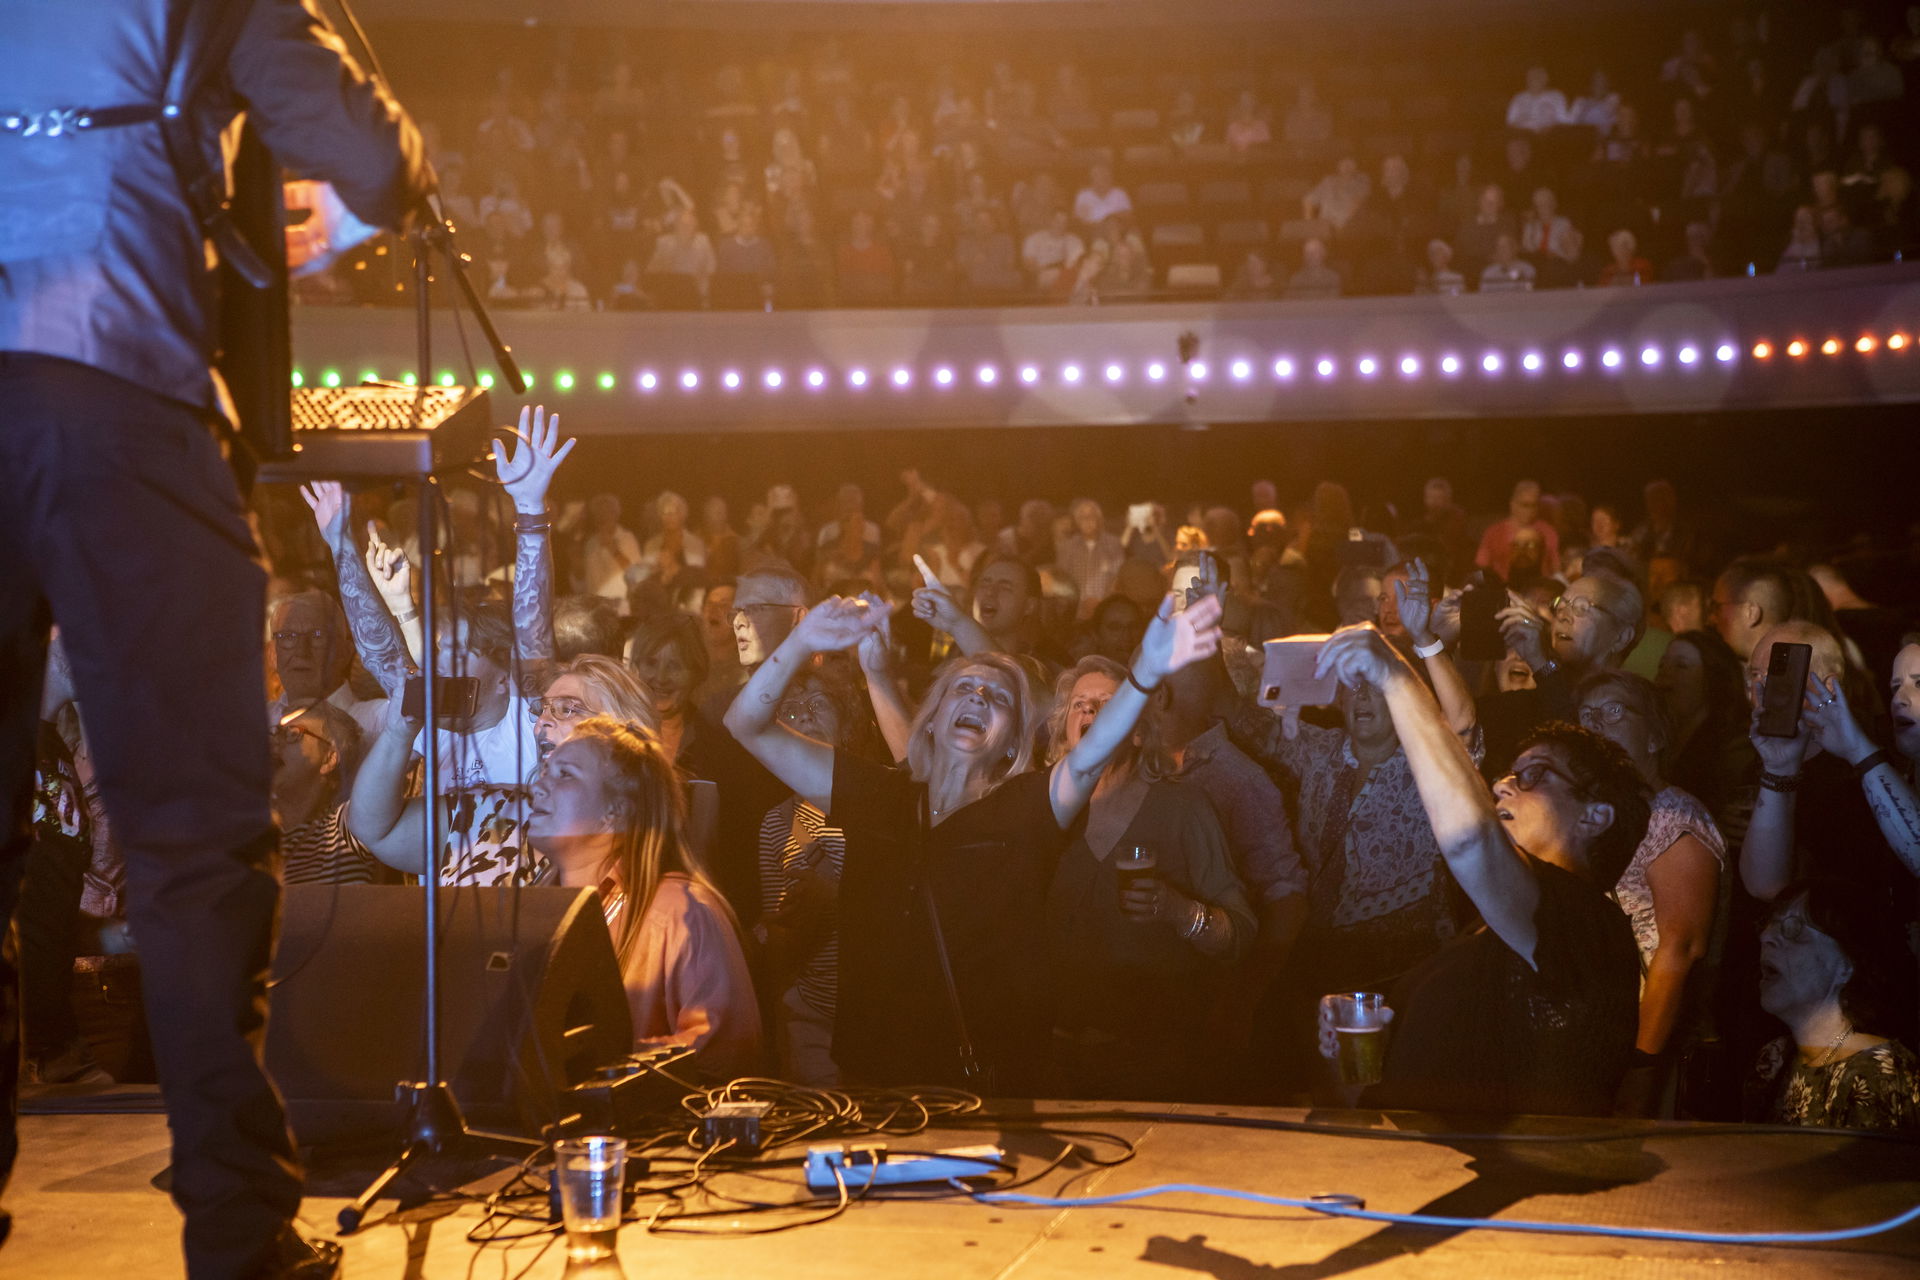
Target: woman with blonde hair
{"type": "Point", "coordinates": [608, 813]}
{"type": "Point", "coordinates": [948, 858]}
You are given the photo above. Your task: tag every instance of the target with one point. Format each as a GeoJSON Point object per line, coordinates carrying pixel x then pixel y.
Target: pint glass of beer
{"type": "Point", "coordinates": [1360, 1034]}
{"type": "Point", "coordinates": [1134, 864]}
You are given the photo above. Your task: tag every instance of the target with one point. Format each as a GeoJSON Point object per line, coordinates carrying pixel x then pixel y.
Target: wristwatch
{"type": "Point", "coordinates": [1432, 649]}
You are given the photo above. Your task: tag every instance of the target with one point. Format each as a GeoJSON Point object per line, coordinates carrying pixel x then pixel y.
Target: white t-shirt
{"type": "Point", "coordinates": [502, 755]}
{"type": "Point", "coordinates": [1091, 208]}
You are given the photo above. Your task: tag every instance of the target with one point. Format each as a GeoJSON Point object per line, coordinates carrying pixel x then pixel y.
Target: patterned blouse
{"type": "Point", "coordinates": [1379, 884]}
{"type": "Point", "coordinates": [1875, 1089]}
{"type": "Point", "coordinates": [1675, 814]}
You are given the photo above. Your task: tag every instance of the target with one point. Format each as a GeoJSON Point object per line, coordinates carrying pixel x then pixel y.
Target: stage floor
{"type": "Point", "coordinates": [84, 1207]}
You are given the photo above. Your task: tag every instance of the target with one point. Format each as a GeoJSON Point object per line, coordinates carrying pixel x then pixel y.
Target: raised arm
{"type": "Point", "coordinates": [1459, 806]}
{"type": "Point", "coordinates": [1413, 596]}
{"type": "Point", "coordinates": [801, 762]}
{"type": "Point", "coordinates": [876, 662]}
{"type": "Point", "coordinates": [1889, 796]}
{"type": "Point", "coordinates": [526, 470]}
{"type": "Point", "coordinates": [393, 577]}
{"type": "Point", "coordinates": [1766, 853]}
{"type": "Point", "coordinates": [379, 816]}
{"type": "Point", "coordinates": [376, 637]}
{"type": "Point", "coordinates": [1173, 640]}
{"type": "Point", "coordinates": [935, 605]}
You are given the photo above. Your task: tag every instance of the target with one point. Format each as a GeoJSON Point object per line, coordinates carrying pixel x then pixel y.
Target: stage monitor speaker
{"type": "Point", "coordinates": [531, 1002]}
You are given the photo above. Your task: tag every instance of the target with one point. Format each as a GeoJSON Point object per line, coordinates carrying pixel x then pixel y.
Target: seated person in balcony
{"type": "Point", "coordinates": [1539, 107]}
{"type": "Point", "coordinates": [685, 252]}
{"type": "Point", "coordinates": [1697, 262]}
{"type": "Point", "coordinates": [1100, 199]}
{"type": "Point", "coordinates": [1438, 276]}
{"type": "Point", "coordinates": [1336, 198]}
{"type": "Point", "coordinates": [1052, 254]}
{"type": "Point", "coordinates": [1508, 272]}
{"type": "Point", "coordinates": [864, 265]}
{"type": "Point", "coordinates": [984, 256]}
{"type": "Point", "coordinates": [926, 264]}
{"type": "Point", "coordinates": [1116, 264]}
{"type": "Point", "coordinates": [1474, 240]}
{"type": "Point", "coordinates": [1802, 252]}
{"type": "Point", "coordinates": [1314, 279]}
{"type": "Point", "coordinates": [1184, 123]}
{"type": "Point", "coordinates": [1625, 266]}
{"type": "Point", "coordinates": [1534, 1011]}
{"type": "Point", "coordinates": [1253, 280]}
{"type": "Point", "coordinates": [608, 813]}
{"type": "Point", "coordinates": [1550, 240]}
{"type": "Point", "coordinates": [1247, 125]}
{"type": "Point", "coordinates": [747, 255]}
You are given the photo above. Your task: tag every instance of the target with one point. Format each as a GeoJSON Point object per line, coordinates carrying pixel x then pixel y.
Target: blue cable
{"type": "Point", "coordinates": [1350, 1207]}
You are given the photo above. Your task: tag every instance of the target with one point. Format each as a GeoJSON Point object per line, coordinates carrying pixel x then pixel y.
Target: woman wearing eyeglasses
{"type": "Point", "coordinates": [1593, 625]}
{"type": "Point", "coordinates": [1534, 1012]}
{"type": "Point", "coordinates": [1670, 890]}
{"type": "Point", "coordinates": [1827, 959]}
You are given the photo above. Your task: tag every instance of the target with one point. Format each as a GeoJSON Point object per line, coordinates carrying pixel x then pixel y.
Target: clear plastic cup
{"type": "Point", "coordinates": [590, 1172]}
{"type": "Point", "coordinates": [1360, 1033]}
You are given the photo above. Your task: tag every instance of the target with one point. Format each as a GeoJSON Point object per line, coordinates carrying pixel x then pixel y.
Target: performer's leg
{"type": "Point", "coordinates": [144, 554]}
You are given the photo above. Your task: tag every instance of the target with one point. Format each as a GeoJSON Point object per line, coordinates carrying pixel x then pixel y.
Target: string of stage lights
{"type": "Point", "coordinates": [1279, 368]}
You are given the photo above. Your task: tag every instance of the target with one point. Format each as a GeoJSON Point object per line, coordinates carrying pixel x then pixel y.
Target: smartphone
{"type": "Point", "coordinates": [1785, 690]}
{"type": "Point", "coordinates": [1140, 516]}
{"type": "Point", "coordinates": [455, 698]}
{"type": "Point", "coordinates": [1187, 577]}
{"type": "Point", "coordinates": [1368, 550]}
{"type": "Point", "coordinates": [1287, 679]}
{"type": "Point", "coordinates": [1480, 638]}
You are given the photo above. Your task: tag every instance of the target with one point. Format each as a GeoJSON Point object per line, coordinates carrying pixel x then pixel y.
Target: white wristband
{"type": "Point", "coordinates": [1433, 650]}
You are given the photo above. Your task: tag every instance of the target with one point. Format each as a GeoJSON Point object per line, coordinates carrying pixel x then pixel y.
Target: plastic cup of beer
{"type": "Point", "coordinates": [1360, 1034]}
{"type": "Point", "coordinates": [590, 1172]}
{"type": "Point", "coordinates": [1134, 864]}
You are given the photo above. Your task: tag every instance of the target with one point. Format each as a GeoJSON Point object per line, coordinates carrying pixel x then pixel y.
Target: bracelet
{"type": "Point", "coordinates": [1202, 913]}
{"type": "Point", "coordinates": [1547, 670]}
{"type": "Point", "coordinates": [1136, 684]}
{"type": "Point", "coordinates": [1433, 649]}
{"type": "Point", "coordinates": [407, 615]}
{"type": "Point", "coordinates": [1871, 763]}
{"type": "Point", "coordinates": [532, 521]}
{"type": "Point", "coordinates": [1781, 782]}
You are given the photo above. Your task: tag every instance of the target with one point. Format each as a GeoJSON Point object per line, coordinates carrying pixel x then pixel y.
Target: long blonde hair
{"type": "Point", "coordinates": [652, 840]}
{"type": "Point", "coordinates": [1026, 716]}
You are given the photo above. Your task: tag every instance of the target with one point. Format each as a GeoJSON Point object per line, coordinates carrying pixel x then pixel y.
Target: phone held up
{"type": "Point", "coordinates": [1480, 604]}
{"type": "Point", "coordinates": [1287, 679]}
{"type": "Point", "coordinates": [1784, 691]}
{"type": "Point", "coordinates": [454, 697]}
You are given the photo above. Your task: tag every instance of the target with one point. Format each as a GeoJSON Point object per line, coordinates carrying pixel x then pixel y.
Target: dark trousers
{"type": "Point", "coordinates": [120, 523]}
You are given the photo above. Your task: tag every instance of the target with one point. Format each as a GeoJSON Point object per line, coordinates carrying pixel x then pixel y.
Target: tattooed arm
{"type": "Point", "coordinates": [376, 638]}
{"type": "Point", "coordinates": [1889, 796]}
{"type": "Point", "coordinates": [1897, 811]}
{"type": "Point", "coordinates": [525, 473]}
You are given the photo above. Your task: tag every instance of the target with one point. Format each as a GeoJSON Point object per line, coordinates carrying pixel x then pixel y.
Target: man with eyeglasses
{"type": "Point", "coordinates": [1593, 626]}
{"type": "Point", "coordinates": [311, 655]}
{"type": "Point", "coordinates": [1535, 1010]}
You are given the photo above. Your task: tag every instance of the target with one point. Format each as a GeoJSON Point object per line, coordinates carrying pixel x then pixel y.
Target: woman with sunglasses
{"type": "Point", "coordinates": [1534, 1012]}
{"type": "Point", "coordinates": [1830, 965]}
{"type": "Point", "coordinates": [1671, 889]}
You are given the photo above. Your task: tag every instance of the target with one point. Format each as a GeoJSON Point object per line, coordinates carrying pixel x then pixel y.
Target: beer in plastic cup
{"type": "Point", "coordinates": [590, 1172]}
{"type": "Point", "coordinates": [1360, 1034]}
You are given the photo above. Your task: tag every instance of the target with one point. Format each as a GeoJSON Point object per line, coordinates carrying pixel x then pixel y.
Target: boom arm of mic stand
{"type": "Point", "coordinates": [439, 233]}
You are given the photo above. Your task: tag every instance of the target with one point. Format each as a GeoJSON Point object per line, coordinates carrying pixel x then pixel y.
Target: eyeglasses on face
{"type": "Point", "coordinates": [1595, 714]}
{"type": "Point", "coordinates": [1578, 607]}
{"type": "Point", "coordinates": [1530, 776]}
{"type": "Point", "coordinates": [815, 706]}
{"type": "Point", "coordinates": [747, 610]}
{"type": "Point", "coordinates": [315, 636]}
{"type": "Point", "coordinates": [568, 709]}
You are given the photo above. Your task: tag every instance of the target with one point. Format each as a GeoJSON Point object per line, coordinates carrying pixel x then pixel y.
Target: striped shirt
{"type": "Point", "coordinates": [323, 851]}
{"type": "Point", "coordinates": [785, 833]}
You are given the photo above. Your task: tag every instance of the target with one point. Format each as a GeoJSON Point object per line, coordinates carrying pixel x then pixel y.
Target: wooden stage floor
{"type": "Point", "coordinates": [84, 1208]}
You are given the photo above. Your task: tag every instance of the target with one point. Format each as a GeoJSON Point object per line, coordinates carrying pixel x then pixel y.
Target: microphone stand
{"type": "Point", "coordinates": [435, 1125]}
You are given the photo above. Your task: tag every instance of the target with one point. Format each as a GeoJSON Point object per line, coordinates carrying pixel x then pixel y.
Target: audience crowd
{"type": "Point", "coordinates": [856, 789]}
{"type": "Point", "coordinates": [824, 173]}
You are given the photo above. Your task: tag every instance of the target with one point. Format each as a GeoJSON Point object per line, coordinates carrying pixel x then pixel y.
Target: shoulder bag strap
{"type": "Point", "coordinates": [977, 1074]}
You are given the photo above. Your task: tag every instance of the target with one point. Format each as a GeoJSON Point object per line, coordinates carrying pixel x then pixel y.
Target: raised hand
{"type": "Point", "coordinates": [876, 647]}
{"type": "Point", "coordinates": [392, 574]}
{"type": "Point", "coordinates": [327, 499]}
{"type": "Point", "coordinates": [1832, 721]}
{"type": "Point", "coordinates": [527, 468]}
{"type": "Point", "coordinates": [837, 623]}
{"type": "Point", "coordinates": [1446, 618]}
{"type": "Point", "coordinates": [1413, 598]}
{"type": "Point", "coordinates": [1357, 655]}
{"type": "Point", "coordinates": [936, 606]}
{"type": "Point", "coordinates": [1525, 631]}
{"type": "Point", "coordinates": [1177, 640]}
{"type": "Point", "coordinates": [1783, 756]}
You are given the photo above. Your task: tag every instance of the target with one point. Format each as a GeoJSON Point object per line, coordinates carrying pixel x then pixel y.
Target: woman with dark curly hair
{"type": "Point", "coordinates": [1830, 968]}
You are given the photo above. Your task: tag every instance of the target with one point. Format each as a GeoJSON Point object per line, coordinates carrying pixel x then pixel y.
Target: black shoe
{"type": "Point", "coordinates": [302, 1259]}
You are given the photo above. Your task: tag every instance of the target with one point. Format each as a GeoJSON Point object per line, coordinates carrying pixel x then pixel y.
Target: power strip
{"type": "Point", "coordinates": [864, 1166]}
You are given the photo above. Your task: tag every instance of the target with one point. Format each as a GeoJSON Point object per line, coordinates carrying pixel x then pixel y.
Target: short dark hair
{"type": "Point", "coordinates": [682, 631]}
{"type": "Point", "coordinates": [585, 624]}
{"type": "Point", "coordinates": [1028, 574]}
{"type": "Point", "coordinates": [1603, 771]}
